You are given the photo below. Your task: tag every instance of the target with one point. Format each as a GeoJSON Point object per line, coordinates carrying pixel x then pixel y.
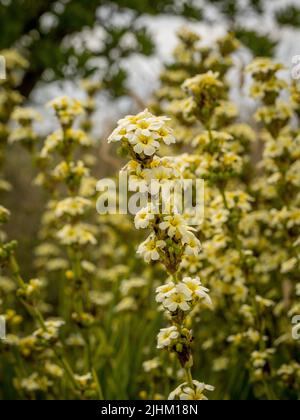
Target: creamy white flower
{"type": "Point", "coordinates": [151, 364]}
{"type": "Point", "coordinates": [35, 383]}
{"type": "Point", "coordinates": [51, 143]}
{"type": "Point", "coordinates": [175, 225]}
{"type": "Point", "coordinates": [132, 285]}
{"type": "Point", "coordinates": [25, 115]}
{"type": "Point", "coordinates": [144, 132]}
{"type": "Point", "coordinates": [144, 217]}
{"type": "Point", "coordinates": [138, 183]}
{"type": "Point", "coordinates": [179, 299]}
{"type": "Point", "coordinates": [197, 289]}
{"type": "Point", "coordinates": [145, 144]}
{"type": "Point", "coordinates": [193, 245]}
{"type": "Point", "coordinates": [4, 214]}
{"type": "Point", "coordinates": [289, 265]}
{"type": "Point", "coordinates": [263, 302]}
{"type": "Point", "coordinates": [260, 358]}
{"type": "Point", "coordinates": [67, 109]}
{"type": "Point", "coordinates": [51, 330]}
{"type": "Point", "coordinates": [219, 217]}
{"type": "Point", "coordinates": [54, 370]}
{"type": "Point", "coordinates": [167, 136]}
{"type": "Point", "coordinates": [83, 380]}
{"type": "Point", "coordinates": [185, 392]}
{"type": "Point", "coordinates": [143, 121]}
{"type": "Point", "coordinates": [72, 206]}
{"type": "Point", "coordinates": [127, 304]}
{"type": "Point", "coordinates": [79, 234]}
{"type": "Point", "coordinates": [164, 291]}
{"type": "Point", "coordinates": [167, 336]}
{"type": "Point", "coordinates": [119, 134]}
{"type": "Point", "coordinates": [150, 248]}
{"type": "Point", "coordinates": [159, 174]}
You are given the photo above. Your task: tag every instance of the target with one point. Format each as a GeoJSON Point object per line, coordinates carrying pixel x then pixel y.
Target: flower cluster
{"type": "Point", "coordinates": [25, 133]}
{"type": "Point", "coordinates": [64, 141]}
{"type": "Point", "coordinates": [142, 134]}
{"type": "Point", "coordinates": [182, 296]}
{"type": "Point", "coordinates": [67, 110]}
{"type": "Point", "coordinates": [191, 59]}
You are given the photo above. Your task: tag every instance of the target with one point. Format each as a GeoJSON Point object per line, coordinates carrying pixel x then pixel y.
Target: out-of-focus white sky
{"type": "Point", "coordinates": [144, 71]}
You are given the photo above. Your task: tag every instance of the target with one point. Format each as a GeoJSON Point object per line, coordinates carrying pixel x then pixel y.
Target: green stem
{"type": "Point", "coordinates": [36, 314]}
{"type": "Point", "coordinates": [189, 377]}
{"type": "Point", "coordinates": [15, 269]}
{"type": "Point", "coordinates": [99, 388]}
{"type": "Point", "coordinates": [223, 194]}
{"type": "Point", "coordinates": [65, 364]}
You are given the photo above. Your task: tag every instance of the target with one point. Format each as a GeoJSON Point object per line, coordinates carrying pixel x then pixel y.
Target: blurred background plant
{"type": "Point", "coordinates": [47, 33]}
{"type": "Point", "coordinates": [100, 294]}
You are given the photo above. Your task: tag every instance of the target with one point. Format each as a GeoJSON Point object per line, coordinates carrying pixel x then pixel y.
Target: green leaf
{"type": "Point", "coordinates": [290, 16]}
{"type": "Point", "coordinates": [260, 45]}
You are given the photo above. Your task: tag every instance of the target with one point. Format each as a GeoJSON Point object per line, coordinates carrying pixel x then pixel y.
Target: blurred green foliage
{"type": "Point", "coordinates": [43, 30]}
{"type": "Point", "coordinates": [260, 45]}
{"type": "Point", "coordinates": [232, 9]}
{"type": "Point", "coordinates": [289, 16]}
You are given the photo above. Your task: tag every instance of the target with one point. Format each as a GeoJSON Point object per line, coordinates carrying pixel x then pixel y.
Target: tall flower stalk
{"type": "Point", "coordinates": [222, 163]}
{"type": "Point", "coordinates": [169, 240]}
{"type": "Point", "coordinates": [277, 190]}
